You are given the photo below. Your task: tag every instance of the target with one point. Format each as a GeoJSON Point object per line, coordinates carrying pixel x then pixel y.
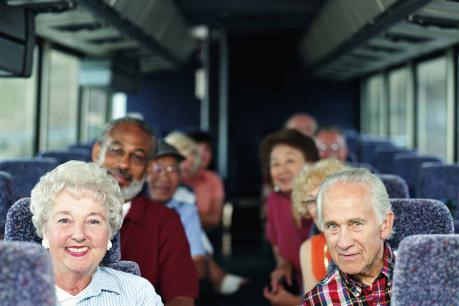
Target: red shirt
{"type": "Point", "coordinates": [153, 236]}
{"type": "Point", "coordinates": [338, 288]}
{"type": "Point", "coordinates": [282, 230]}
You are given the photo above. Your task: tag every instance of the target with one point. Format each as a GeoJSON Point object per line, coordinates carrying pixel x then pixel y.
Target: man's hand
{"type": "Point", "coordinates": [283, 271]}
{"type": "Point", "coordinates": [281, 297]}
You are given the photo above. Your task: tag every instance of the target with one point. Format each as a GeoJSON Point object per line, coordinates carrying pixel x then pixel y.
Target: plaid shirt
{"type": "Point", "coordinates": [338, 288]}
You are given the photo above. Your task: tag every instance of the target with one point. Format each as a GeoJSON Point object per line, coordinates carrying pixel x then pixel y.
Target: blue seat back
{"type": "Point", "coordinates": [419, 216]}
{"type": "Point", "coordinates": [426, 271]}
{"type": "Point", "coordinates": [407, 165]}
{"type": "Point", "coordinates": [65, 156]}
{"type": "Point", "coordinates": [26, 275]}
{"type": "Point", "coordinates": [395, 186]}
{"type": "Point", "coordinates": [6, 198]}
{"type": "Point", "coordinates": [26, 173]}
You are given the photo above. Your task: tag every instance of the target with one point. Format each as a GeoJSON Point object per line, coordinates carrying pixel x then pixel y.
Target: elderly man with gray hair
{"type": "Point", "coordinates": [355, 215]}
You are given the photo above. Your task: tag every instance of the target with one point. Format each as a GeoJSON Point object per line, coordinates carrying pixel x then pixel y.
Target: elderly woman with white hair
{"type": "Point", "coordinates": [76, 209]}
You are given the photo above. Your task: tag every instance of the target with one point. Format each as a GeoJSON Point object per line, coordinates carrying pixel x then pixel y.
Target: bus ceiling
{"type": "Point", "coordinates": [342, 39]}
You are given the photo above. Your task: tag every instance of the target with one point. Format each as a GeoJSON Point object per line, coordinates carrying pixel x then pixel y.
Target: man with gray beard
{"type": "Point", "coordinates": [152, 235]}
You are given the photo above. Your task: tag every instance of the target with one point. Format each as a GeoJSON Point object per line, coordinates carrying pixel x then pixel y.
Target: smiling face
{"type": "Point", "coordinates": [286, 163]}
{"type": "Point", "coordinates": [78, 233]}
{"type": "Point", "coordinates": [126, 156]}
{"type": "Point", "coordinates": [355, 237]}
{"type": "Point", "coordinates": [164, 178]}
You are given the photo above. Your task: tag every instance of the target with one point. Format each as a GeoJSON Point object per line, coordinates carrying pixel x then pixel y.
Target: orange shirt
{"type": "Point", "coordinates": [318, 254]}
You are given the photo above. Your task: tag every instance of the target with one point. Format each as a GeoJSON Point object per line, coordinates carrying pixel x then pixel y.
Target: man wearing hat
{"type": "Point", "coordinates": [163, 183]}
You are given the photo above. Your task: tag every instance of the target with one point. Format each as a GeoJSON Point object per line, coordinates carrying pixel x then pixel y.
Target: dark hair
{"type": "Point", "coordinates": [141, 124]}
{"type": "Point", "coordinates": [289, 137]}
{"type": "Point", "coordinates": [201, 136]}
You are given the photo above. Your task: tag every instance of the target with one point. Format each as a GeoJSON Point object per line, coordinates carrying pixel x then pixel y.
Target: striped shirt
{"type": "Point", "coordinates": [338, 288]}
{"type": "Point", "coordinates": [110, 287]}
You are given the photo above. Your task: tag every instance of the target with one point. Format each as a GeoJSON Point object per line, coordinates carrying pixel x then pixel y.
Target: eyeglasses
{"type": "Point", "coordinates": [331, 147]}
{"type": "Point", "coordinates": [136, 158]}
{"type": "Point", "coordinates": [311, 203]}
{"type": "Point", "coordinates": [158, 168]}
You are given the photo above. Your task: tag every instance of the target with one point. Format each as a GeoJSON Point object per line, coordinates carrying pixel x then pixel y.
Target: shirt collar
{"type": "Point", "coordinates": [386, 271]}
{"type": "Point", "coordinates": [100, 282]}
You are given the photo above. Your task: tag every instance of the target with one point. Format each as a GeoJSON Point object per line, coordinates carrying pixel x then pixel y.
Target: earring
{"type": "Point", "coordinates": [276, 188]}
{"type": "Point", "coordinates": [109, 245]}
{"type": "Point", "coordinates": [45, 243]}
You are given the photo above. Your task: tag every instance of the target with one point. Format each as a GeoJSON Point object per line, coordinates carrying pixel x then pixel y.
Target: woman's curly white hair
{"type": "Point", "coordinates": [79, 179]}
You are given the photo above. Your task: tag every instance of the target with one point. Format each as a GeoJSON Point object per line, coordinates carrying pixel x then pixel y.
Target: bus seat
{"type": "Point", "coordinates": [441, 182]}
{"type": "Point", "coordinates": [6, 198]}
{"type": "Point", "coordinates": [407, 166]}
{"type": "Point", "coordinates": [384, 159]}
{"type": "Point", "coordinates": [26, 274]}
{"type": "Point", "coordinates": [26, 173]}
{"type": "Point", "coordinates": [395, 186]}
{"type": "Point", "coordinates": [363, 165]}
{"type": "Point", "coordinates": [426, 271]}
{"type": "Point", "coordinates": [419, 216]}
{"type": "Point", "coordinates": [19, 227]}
{"type": "Point", "coordinates": [368, 147]}
{"type": "Point", "coordinates": [65, 156]}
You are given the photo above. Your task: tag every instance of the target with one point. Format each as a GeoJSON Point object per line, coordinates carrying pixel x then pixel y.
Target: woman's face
{"type": "Point", "coordinates": [78, 233]}
{"type": "Point", "coordinates": [286, 163]}
{"type": "Point", "coordinates": [188, 166]}
{"type": "Point", "coordinates": [311, 204]}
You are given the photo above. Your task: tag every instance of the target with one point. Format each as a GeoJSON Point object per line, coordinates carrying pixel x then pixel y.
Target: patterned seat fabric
{"type": "Point", "coordinates": [19, 227]}
{"type": "Point", "coordinates": [6, 198]}
{"type": "Point", "coordinates": [427, 271]}
{"type": "Point", "coordinates": [65, 156]}
{"type": "Point", "coordinates": [26, 274]}
{"type": "Point", "coordinates": [395, 186]}
{"type": "Point", "coordinates": [419, 216]}
{"type": "Point", "coordinates": [125, 266]}
{"type": "Point", "coordinates": [407, 165]}
{"type": "Point", "coordinates": [26, 173]}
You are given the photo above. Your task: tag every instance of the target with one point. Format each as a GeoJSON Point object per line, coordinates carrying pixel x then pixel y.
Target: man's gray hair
{"type": "Point", "coordinates": [141, 124]}
{"type": "Point", "coordinates": [79, 179]}
{"type": "Point", "coordinates": [377, 191]}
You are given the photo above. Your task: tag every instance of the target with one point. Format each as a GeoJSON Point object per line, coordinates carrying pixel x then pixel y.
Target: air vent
{"type": "Point", "coordinates": [428, 21]}
{"type": "Point", "coordinates": [106, 40]}
{"type": "Point", "coordinates": [76, 27]}
{"type": "Point", "coordinates": [366, 57]}
{"type": "Point", "coordinates": [382, 49]}
{"type": "Point", "coordinates": [406, 38]}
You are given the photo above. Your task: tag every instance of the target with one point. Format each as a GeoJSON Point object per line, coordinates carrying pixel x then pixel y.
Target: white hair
{"type": "Point", "coordinates": [377, 191]}
{"type": "Point", "coordinates": [79, 179]}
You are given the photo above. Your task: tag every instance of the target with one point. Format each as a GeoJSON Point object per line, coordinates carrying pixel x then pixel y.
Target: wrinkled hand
{"type": "Point", "coordinates": [284, 271]}
{"type": "Point", "coordinates": [281, 297]}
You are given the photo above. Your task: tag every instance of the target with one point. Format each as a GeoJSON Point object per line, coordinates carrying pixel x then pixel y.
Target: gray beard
{"type": "Point", "coordinates": [132, 190]}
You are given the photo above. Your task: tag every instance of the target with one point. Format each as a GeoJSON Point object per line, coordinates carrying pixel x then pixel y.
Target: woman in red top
{"type": "Point", "coordinates": [314, 256]}
{"type": "Point", "coordinates": [284, 154]}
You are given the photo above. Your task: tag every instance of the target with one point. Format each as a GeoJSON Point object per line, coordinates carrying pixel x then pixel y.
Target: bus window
{"type": "Point", "coordinates": [94, 113]}
{"type": "Point", "coordinates": [374, 107]}
{"type": "Point", "coordinates": [432, 107]}
{"type": "Point", "coordinates": [63, 100]}
{"type": "Point", "coordinates": [400, 107]}
{"type": "Point", "coordinates": [17, 118]}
